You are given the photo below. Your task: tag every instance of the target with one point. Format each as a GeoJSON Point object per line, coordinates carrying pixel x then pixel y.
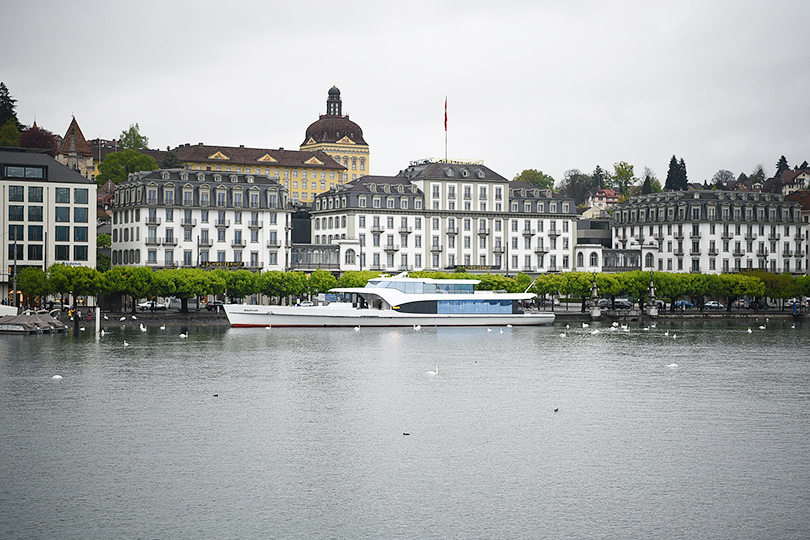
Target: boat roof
{"type": "Point", "coordinates": [404, 277]}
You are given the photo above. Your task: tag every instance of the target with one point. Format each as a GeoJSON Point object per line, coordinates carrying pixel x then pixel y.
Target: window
{"type": "Point", "coordinates": [80, 215]}
{"type": "Point", "coordinates": [35, 213]}
{"type": "Point", "coordinates": [79, 234]}
{"type": "Point", "coordinates": [16, 194]}
{"type": "Point", "coordinates": [79, 253]}
{"type": "Point", "coordinates": [34, 232]}
{"type": "Point", "coordinates": [80, 195]}
{"type": "Point", "coordinates": [34, 194]}
{"type": "Point", "coordinates": [62, 252]}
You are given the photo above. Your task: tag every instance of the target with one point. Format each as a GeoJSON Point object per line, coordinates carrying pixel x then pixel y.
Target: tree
{"type": "Point", "coordinates": [118, 165]}
{"type": "Point", "coordinates": [9, 133]}
{"type": "Point", "coordinates": [37, 137]}
{"type": "Point", "coordinates": [758, 174]}
{"type": "Point", "coordinates": [7, 106]}
{"type": "Point", "coordinates": [683, 177]}
{"type": "Point", "coordinates": [673, 175]}
{"type": "Point", "coordinates": [103, 241]}
{"type": "Point", "coordinates": [171, 161]}
{"type": "Point", "coordinates": [320, 281]}
{"type": "Point", "coordinates": [240, 283]}
{"type": "Point", "coordinates": [536, 178]}
{"type": "Point", "coordinates": [32, 282]}
{"type": "Point", "coordinates": [804, 166]}
{"type": "Point", "coordinates": [722, 178]}
{"type": "Point", "coordinates": [742, 178]}
{"type": "Point", "coordinates": [623, 177]}
{"type": "Point", "coordinates": [132, 139]}
{"type": "Point", "coordinates": [353, 278]}
{"type": "Point", "coordinates": [133, 281]}
{"type": "Point", "coordinates": [781, 166]}
{"type": "Point", "coordinates": [600, 177]}
{"type": "Point", "coordinates": [576, 185]}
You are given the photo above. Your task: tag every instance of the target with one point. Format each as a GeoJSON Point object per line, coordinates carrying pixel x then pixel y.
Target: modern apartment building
{"type": "Point", "coordinates": [183, 218]}
{"type": "Point", "coordinates": [48, 214]}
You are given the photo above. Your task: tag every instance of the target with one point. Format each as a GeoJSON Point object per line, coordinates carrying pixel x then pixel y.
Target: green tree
{"type": "Point", "coordinates": [683, 177]}
{"type": "Point", "coordinates": [320, 281]}
{"type": "Point", "coordinates": [576, 185]}
{"type": "Point", "coordinates": [804, 166]}
{"type": "Point", "coordinates": [536, 178]}
{"type": "Point", "coordinates": [131, 138]}
{"type": "Point", "coordinates": [33, 282]}
{"type": "Point", "coordinates": [722, 178]}
{"type": "Point", "coordinates": [103, 241]}
{"type": "Point", "coordinates": [118, 165]}
{"type": "Point", "coordinates": [240, 284]}
{"type": "Point", "coordinates": [10, 133]}
{"type": "Point", "coordinates": [600, 177]}
{"type": "Point", "coordinates": [357, 279]}
{"type": "Point", "coordinates": [623, 177]}
{"type": "Point", "coordinates": [676, 175]}
{"type": "Point", "coordinates": [37, 137]}
{"type": "Point", "coordinates": [133, 281]}
{"type": "Point", "coordinates": [781, 166]}
{"type": "Point", "coordinates": [7, 107]}
{"type": "Point", "coordinates": [758, 174]}
{"type": "Point", "coordinates": [182, 283]}
{"type": "Point", "coordinates": [171, 161]}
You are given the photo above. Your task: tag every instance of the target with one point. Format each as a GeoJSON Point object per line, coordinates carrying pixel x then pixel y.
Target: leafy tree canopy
{"type": "Point", "coordinates": [37, 137]}
{"type": "Point", "coordinates": [781, 166]}
{"type": "Point", "coordinates": [576, 185]}
{"type": "Point", "coordinates": [722, 178]}
{"type": "Point", "coordinates": [118, 165]}
{"type": "Point", "coordinates": [536, 178]}
{"type": "Point", "coordinates": [132, 138]}
{"type": "Point", "coordinates": [623, 177]}
{"type": "Point", "coordinates": [9, 133]}
{"type": "Point", "coordinates": [103, 241]}
{"type": "Point", "coordinates": [7, 107]}
{"type": "Point", "coordinates": [171, 161]}
{"type": "Point", "coordinates": [321, 281]}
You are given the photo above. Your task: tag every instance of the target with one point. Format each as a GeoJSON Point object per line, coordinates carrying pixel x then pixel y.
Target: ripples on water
{"type": "Point", "coordinates": [306, 437]}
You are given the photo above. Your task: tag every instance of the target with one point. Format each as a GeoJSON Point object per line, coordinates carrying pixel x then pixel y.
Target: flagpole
{"type": "Point", "coordinates": [445, 129]}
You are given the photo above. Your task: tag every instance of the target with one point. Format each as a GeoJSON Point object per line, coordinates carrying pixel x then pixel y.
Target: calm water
{"type": "Point", "coordinates": [306, 437]}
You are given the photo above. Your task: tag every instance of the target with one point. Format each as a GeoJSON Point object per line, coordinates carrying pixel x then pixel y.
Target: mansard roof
{"type": "Point", "coordinates": [430, 170]}
{"type": "Point", "coordinates": [56, 172]}
{"type": "Point", "coordinates": [239, 155]}
{"type": "Point", "coordinates": [374, 184]}
{"type": "Point", "coordinates": [535, 192]}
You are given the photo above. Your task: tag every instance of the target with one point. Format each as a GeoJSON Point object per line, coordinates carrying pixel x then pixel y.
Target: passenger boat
{"type": "Point", "coordinates": [400, 301]}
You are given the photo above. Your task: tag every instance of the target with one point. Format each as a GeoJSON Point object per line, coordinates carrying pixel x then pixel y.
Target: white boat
{"type": "Point", "coordinates": [400, 301]}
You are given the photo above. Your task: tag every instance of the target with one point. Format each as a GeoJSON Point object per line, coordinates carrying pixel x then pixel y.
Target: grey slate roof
{"type": "Point", "coordinates": [55, 171]}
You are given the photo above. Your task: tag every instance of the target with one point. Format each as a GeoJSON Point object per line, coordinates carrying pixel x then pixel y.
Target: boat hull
{"type": "Point", "coordinates": [240, 315]}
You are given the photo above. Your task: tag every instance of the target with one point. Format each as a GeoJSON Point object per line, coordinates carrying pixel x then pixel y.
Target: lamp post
{"type": "Point", "coordinates": [596, 311]}
{"type": "Point", "coordinates": [652, 308]}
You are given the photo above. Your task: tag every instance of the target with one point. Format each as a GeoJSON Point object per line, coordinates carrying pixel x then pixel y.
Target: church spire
{"type": "Point", "coordinates": [333, 102]}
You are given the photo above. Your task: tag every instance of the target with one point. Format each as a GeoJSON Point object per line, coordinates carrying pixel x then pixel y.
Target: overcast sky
{"type": "Point", "coordinates": [547, 85]}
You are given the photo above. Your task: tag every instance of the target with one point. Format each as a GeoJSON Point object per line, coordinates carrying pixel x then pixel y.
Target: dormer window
{"type": "Point", "coordinates": [234, 178]}
{"type": "Point", "coordinates": [465, 173]}
{"type": "Point", "coordinates": [217, 178]}
{"type": "Point", "coordinates": [184, 176]}
{"type": "Point", "coordinates": [480, 173]}
{"type": "Point", "coordinates": [449, 172]}
{"type": "Point", "coordinates": [200, 177]}
{"type": "Point", "coordinates": [165, 175]}
{"type": "Point", "coordinates": [249, 179]}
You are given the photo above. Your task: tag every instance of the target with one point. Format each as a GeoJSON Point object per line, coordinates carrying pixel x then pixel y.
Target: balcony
{"type": "Point", "coordinates": [152, 242]}
{"type": "Point", "coordinates": [404, 268]}
{"type": "Point", "coordinates": [188, 222]}
{"type": "Point", "coordinates": [391, 247]}
{"type": "Point", "coordinates": [451, 232]}
{"type": "Point", "coordinates": [713, 251]}
{"type": "Point", "coordinates": [483, 231]}
{"type": "Point", "coordinates": [694, 252]}
{"type": "Point", "coordinates": [798, 235]}
{"type": "Point", "coordinates": [529, 232]}
{"type": "Point", "coordinates": [555, 232]}
{"type": "Point", "coordinates": [553, 269]}
{"type": "Point", "coordinates": [750, 237]}
{"type": "Point", "coordinates": [528, 269]}
{"type": "Point", "coordinates": [658, 236]}
{"type": "Point", "coordinates": [152, 220]}
{"type": "Point", "coordinates": [737, 253]}
{"type": "Point", "coordinates": [376, 267]}
{"type": "Point", "coordinates": [376, 229]}
{"type": "Point", "coordinates": [255, 224]}
{"type": "Point", "coordinates": [678, 235]}
{"type": "Point", "coordinates": [220, 223]}
{"type": "Point", "coordinates": [255, 266]}
{"type": "Point", "coordinates": [436, 248]}
{"type": "Point", "coordinates": [273, 244]}
{"type": "Point", "coordinates": [694, 234]}
{"type": "Point", "coordinates": [238, 243]}
{"type": "Point", "coordinates": [762, 253]}
{"type": "Point", "coordinates": [540, 250]}
{"type": "Point", "coordinates": [206, 243]}
{"type": "Point", "coordinates": [678, 252]}
{"type": "Point", "coordinates": [774, 236]}
{"type": "Point", "coordinates": [169, 241]}
{"type": "Point", "coordinates": [498, 250]}
{"type": "Point", "coordinates": [405, 230]}
{"type": "Point", "coordinates": [787, 253]}
{"type": "Point", "coordinates": [726, 235]}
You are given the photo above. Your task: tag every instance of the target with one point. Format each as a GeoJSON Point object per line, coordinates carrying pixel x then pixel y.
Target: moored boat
{"type": "Point", "coordinates": [400, 301]}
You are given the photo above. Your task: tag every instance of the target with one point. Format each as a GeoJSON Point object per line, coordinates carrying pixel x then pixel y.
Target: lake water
{"type": "Point", "coordinates": [306, 438]}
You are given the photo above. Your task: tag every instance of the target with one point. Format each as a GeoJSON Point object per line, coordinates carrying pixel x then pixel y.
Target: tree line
{"type": "Point", "coordinates": [186, 283]}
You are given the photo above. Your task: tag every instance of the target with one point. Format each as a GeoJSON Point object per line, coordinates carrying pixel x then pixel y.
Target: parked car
{"type": "Point", "coordinates": [621, 303]}
{"type": "Point", "coordinates": [216, 305]}
{"type": "Point", "coordinates": [175, 303]}
{"type": "Point", "coordinates": [55, 305]}
{"type": "Point", "coordinates": [757, 304]}
{"type": "Point", "coordinates": [151, 305]}
{"type": "Point", "coordinates": [683, 304]}
{"type": "Point", "coordinates": [307, 303]}
{"type": "Point", "coordinates": [713, 304]}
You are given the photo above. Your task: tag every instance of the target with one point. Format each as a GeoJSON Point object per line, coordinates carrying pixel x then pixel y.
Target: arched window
{"type": "Point", "coordinates": [362, 164]}
{"type": "Point", "coordinates": [354, 163]}
{"type": "Point", "coordinates": [350, 256]}
{"type": "Point", "coordinates": [580, 259]}
{"type": "Point", "coordinates": [594, 259]}
{"type": "Point", "coordinates": [648, 260]}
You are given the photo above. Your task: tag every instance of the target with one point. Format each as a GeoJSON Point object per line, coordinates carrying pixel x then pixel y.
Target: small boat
{"type": "Point", "coordinates": [399, 301]}
{"type": "Point", "coordinates": [31, 323]}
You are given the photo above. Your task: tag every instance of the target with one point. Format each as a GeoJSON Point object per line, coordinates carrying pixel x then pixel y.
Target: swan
{"type": "Point", "coordinates": [672, 366]}
{"type": "Point", "coordinates": [666, 333]}
{"type": "Point", "coordinates": [82, 328]}
{"type": "Point", "coordinates": [652, 326]}
{"type": "Point", "coordinates": [510, 326]}
{"type": "Point", "coordinates": [417, 327]}
{"type": "Point", "coordinates": [567, 326]}
{"type": "Point", "coordinates": [163, 327]}
{"type": "Point", "coordinates": [646, 328]}
{"type": "Point", "coordinates": [122, 319]}
{"type": "Point", "coordinates": [674, 336]}
{"type": "Point", "coordinates": [501, 330]}
{"type": "Point", "coordinates": [268, 327]}
{"type": "Point", "coordinates": [56, 377]}
{"type": "Point", "coordinates": [126, 344]}
{"type": "Point", "coordinates": [615, 323]}
{"type": "Point", "coordinates": [143, 328]}
{"type": "Point", "coordinates": [183, 336]}
{"type": "Point", "coordinates": [585, 325]}
{"type": "Point", "coordinates": [134, 318]}
{"type": "Point", "coordinates": [762, 327]}
{"type": "Point", "coordinates": [356, 328]}
{"type": "Point", "coordinates": [793, 325]}
{"type": "Point", "coordinates": [562, 334]}
{"type": "Point", "coordinates": [106, 318]}
{"type": "Point", "coordinates": [102, 332]}
{"type": "Point", "coordinates": [434, 372]}
{"type": "Point", "coordinates": [489, 329]}
{"type": "Point", "coordinates": [749, 330]}
{"type": "Point", "coordinates": [594, 332]}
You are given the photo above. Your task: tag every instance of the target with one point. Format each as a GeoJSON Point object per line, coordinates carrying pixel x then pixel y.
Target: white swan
{"type": "Point", "coordinates": [673, 366]}
{"type": "Point", "coordinates": [126, 344]}
{"type": "Point", "coordinates": [510, 326]}
{"type": "Point", "coordinates": [749, 330]}
{"type": "Point", "coordinates": [666, 333]}
{"type": "Point", "coordinates": [56, 377]}
{"type": "Point", "coordinates": [143, 328]}
{"type": "Point", "coordinates": [489, 329]}
{"type": "Point", "coordinates": [501, 330]}
{"type": "Point", "coordinates": [106, 318]}
{"type": "Point", "coordinates": [562, 334]}
{"type": "Point", "coordinates": [356, 328]}
{"type": "Point", "coordinates": [163, 327]}
{"type": "Point", "coordinates": [762, 327]}
{"type": "Point", "coordinates": [183, 336]}
{"type": "Point", "coordinates": [134, 318]}
{"type": "Point", "coordinates": [594, 332]}
{"type": "Point", "coordinates": [417, 327]}
{"type": "Point", "coordinates": [122, 319]}
{"type": "Point", "coordinates": [585, 325]}
{"type": "Point", "coordinates": [434, 372]}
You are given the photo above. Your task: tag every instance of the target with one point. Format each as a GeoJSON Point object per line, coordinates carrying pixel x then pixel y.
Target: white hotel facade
{"type": "Point", "coordinates": [442, 215]}
{"type": "Point", "coordinates": [184, 218]}
{"type": "Point", "coordinates": [48, 214]}
{"type": "Point", "coordinates": [713, 232]}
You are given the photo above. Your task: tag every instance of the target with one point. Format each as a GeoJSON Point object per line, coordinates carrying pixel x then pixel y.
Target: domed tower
{"type": "Point", "coordinates": [339, 137]}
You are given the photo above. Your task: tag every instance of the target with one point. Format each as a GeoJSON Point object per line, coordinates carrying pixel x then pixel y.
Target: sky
{"type": "Point", "coordinates": [541, 84]}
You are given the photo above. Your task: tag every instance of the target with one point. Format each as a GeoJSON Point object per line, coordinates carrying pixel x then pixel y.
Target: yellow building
{"type": "Point", "coordinates": [303, 173]}
{"type": "Point", "coordinates": [336, 135]}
